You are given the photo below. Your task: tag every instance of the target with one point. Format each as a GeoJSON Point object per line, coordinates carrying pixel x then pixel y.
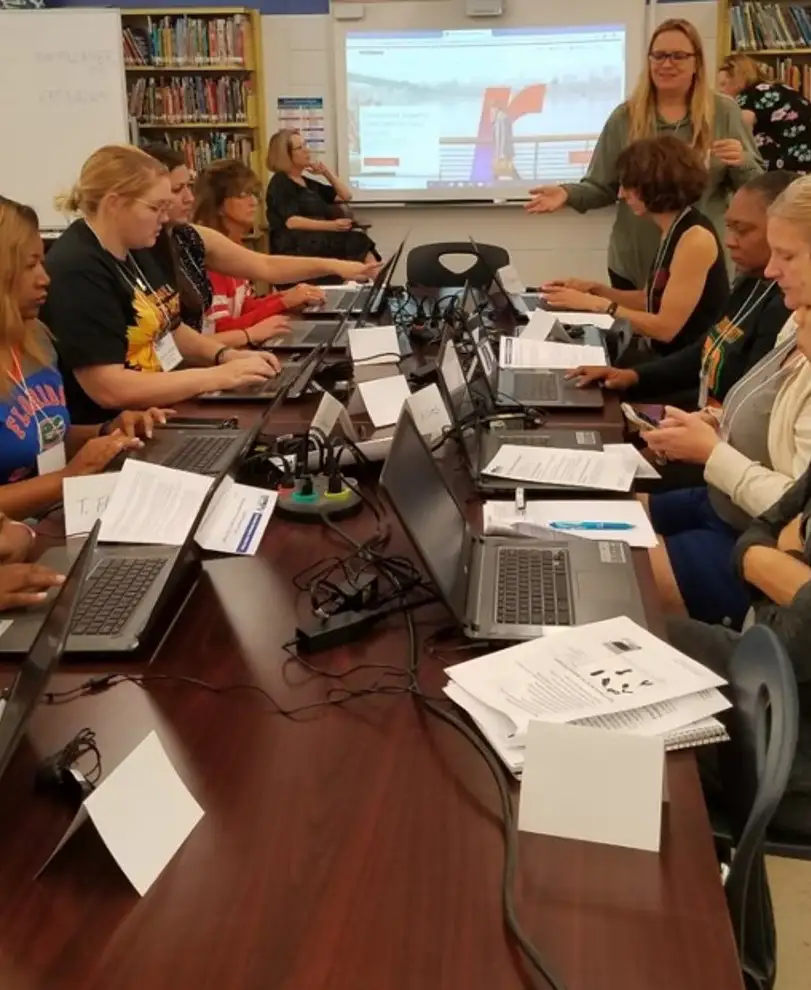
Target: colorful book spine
{"type": "Point", "coordinates": [185, 42]}
{"type": "Point", "coordinates": [191, 99]}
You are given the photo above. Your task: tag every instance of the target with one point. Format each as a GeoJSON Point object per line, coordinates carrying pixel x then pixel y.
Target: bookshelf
{"type": "Point", "coordinates": [778, 35]}
{"type": "Point", "coordinates": [194, 79]}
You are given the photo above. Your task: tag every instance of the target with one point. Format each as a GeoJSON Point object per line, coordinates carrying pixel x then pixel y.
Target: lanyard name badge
{"type": "Point", "coordinates": [743, 314]}
{"type": "Point", "coordinates": [51, 456]}
{"type": "Point", "coordinates": [166, 349]}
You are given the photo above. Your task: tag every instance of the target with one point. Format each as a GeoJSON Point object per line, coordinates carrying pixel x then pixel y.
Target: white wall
{"type": "Point", "coordinates": [298, 62]}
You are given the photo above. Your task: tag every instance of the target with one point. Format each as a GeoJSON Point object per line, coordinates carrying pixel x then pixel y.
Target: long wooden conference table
{"type": "Point", "coordinates": [350, 848]}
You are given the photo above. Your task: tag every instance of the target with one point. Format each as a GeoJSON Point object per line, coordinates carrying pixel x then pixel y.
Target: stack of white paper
{"type": "Point", "coordinates": [610, 675]}
{"type": "Point", "coordinates": [523, 352]}
{"type": "Point", "coordinates": [561, 466]}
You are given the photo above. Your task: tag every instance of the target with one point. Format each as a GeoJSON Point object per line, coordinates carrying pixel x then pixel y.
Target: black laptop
{"type": "Point", "coordinates": [502, 588]}
{"type": "Point", "coordinates": [45, 652]}
{"type": "Point", "coordinates": [291, 383]}
{"type": "Point", "coordinates": [343, 299]}
{"type": "Point", "coordinates": [330, 333]}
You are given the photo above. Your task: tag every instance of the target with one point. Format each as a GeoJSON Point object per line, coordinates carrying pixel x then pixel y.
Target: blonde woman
{"type": "Point", "coordinates": [779, 116]}
{"type": "Point", "coordinates": [39, 446]}
{"type": "Point", "coordinates": [304, 214]}
{"type": "Point", "coordinates": [673, 96]}
{"type": "Point", "coordinates": [115, 312]}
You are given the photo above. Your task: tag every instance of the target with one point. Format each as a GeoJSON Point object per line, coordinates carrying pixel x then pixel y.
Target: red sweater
{"type": "Point", "coordinates": [234, 305]}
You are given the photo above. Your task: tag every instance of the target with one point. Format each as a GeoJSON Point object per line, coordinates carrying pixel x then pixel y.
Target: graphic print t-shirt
{"type": "Point", "coordinates": [104, 312]}
{"type": "Point", "coordinates": [25, 415]}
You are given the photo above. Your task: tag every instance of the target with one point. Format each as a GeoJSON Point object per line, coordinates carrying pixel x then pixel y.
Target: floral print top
{"type": "Point", "coordinates": [782, 127]}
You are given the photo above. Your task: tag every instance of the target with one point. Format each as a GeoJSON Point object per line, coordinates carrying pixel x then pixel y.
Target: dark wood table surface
{"type": "Point", "coordinates": [350, 848]}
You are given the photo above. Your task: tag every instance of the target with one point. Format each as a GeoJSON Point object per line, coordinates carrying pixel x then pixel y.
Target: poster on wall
{"type": "Point", "coordinates": [304, 114]}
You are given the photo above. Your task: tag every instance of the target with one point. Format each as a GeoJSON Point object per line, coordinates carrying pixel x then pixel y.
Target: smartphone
{"type": "Point", "coordinates": [639, 419]}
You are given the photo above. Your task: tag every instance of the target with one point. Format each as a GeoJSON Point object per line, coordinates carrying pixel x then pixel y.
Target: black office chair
{"type": "Point", "coordinates": [424, 265]}
{"type": "Point", "coordinates": [754, 771]}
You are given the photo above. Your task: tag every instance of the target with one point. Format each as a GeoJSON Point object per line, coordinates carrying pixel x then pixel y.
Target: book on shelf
{"type": "Point", "coordinates": [774, 26]}
{"type": "Point", "coordinates": [179, 40]}
{"type": "Point", "coordinates": [201, 151]}
{"type": "Point", "coordinates": [790, 73]}
{"type": "Point", "coordinates": [177, 100]}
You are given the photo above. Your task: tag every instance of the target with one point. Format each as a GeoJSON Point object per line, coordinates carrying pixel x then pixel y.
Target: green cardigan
{"type": "Point", "coordinates": [635, 240]}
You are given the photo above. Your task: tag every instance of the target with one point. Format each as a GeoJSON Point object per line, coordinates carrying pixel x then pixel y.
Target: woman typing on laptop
{"type": "Point", "coordinates": [38, 445]}
{"type": "Point", "coordinates": [226, 199]}
{"type": "Point", "coordinates": [687, 287]}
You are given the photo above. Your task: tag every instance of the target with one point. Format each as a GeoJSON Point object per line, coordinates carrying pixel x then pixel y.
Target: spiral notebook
{"type": "Point", "coordinates": [701, 733]}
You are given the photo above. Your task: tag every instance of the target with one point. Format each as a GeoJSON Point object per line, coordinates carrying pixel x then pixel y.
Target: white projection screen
{"type": "Point", "coordinates": [436, 106]}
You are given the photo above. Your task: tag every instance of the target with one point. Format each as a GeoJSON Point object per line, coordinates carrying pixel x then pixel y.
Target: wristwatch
{"type": "Point", "coordinates": [612, 309]}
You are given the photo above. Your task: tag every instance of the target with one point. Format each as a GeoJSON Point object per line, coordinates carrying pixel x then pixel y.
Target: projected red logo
{"type": "Point", "coordinates": [495, 145]}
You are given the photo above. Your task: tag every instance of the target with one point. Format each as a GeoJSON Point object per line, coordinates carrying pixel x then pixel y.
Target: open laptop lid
{"type": "Point", "coordinates": [453, 384]}
{"type": "Point", "coordinates": [380, 286]}
{"type": "Point", "coordinates": [515, 303]}
{"type": "Point", "coordinates": [46, 651]}
{"type": "Point", "coordinates": [431, 516]}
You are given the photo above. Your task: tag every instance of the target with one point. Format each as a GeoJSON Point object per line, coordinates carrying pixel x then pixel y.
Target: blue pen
{"type": "Point", "coordinates": [615, 527]}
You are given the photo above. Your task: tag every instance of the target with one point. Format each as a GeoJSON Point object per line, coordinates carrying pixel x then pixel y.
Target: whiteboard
{"type": "Point", "coordinates": [62, 95]}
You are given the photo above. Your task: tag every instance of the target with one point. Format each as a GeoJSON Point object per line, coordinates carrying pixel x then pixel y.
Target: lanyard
{"type": "Point", "coordinates": [663, 246]}
{"type": "Point", "coordinates": [743, 314]}
{"type": "Point", "coordinates": [42, 420]}
{"type": "Point", "coordinates": [137, 281]}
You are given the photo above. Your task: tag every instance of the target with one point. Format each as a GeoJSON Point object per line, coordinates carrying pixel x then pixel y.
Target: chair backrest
{"type": "Point", "coordinates": [424, 265]}
{"type": "Point", "coordinates": [754, 768]}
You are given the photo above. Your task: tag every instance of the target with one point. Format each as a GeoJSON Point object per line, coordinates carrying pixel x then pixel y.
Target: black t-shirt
{"type": "Point", "coordinates": [104, 311]}
{"type": "Point", "coordinates": [753, 317]}
{"type": "Point", "coordinates": [710, 306]}
{"type": "Point", "coordinates": [286, 198]}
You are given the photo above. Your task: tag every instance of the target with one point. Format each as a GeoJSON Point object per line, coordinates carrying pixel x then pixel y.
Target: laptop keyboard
{"type": "Point", "coordinates": [532, 587]}
{"type": "Point", "coordinates": [115, 589]}
{"type": "Point", "coordinates": [200, 455]}
{"type": "Point", "coordinates": [273, 386]}
{"type": "Point", "coordinates": [536, 387]}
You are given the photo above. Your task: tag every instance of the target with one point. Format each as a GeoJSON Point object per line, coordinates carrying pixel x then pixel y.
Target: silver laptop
{"type": "Point", "coordinates": [533, 388]}
{"type": "Point", "coordinates": [369, 300]}
{"type": "Point", "coordinates": [43, 657]}
{"type": "Point", "coordinates": [291, 382]}
{"type": "Point", "coordinates": [309, 334]}
{"type": "Point", "coordinates": [502, 588]}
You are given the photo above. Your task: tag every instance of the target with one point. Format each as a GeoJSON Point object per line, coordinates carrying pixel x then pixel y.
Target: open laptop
{"type": "Point", "coordinates": [489, 432]}
{"type": "Point", "coordinates": [44, 655]}
{"type": "Point", "coordinates": [342, 299]}
{"type": "Point", "coordinates": [523, 304]}
{"type": "Point", "coordinates": [309, 334]}
{"type": "Point", "coordinates": [291, 382]}
{"type": "Point", "coordinates": [502, 588]}
{"type": "Point", "coordinates": [532, 388]}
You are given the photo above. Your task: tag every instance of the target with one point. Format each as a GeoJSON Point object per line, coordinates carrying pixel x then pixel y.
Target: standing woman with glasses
{"type": "Point", "coordinates": [114, 312]}
{"type": "Point", "coordinates": [673, 96]}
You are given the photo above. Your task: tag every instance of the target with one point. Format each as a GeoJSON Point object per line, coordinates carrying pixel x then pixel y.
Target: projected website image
{"type": "Point", "coordinates": [484, 109]}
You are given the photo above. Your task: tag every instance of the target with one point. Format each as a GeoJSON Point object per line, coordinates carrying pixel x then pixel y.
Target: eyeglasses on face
{"type": "Point", "coordinates": [677, 58]}
{"type": "Point", "coordinates": [160, 208]}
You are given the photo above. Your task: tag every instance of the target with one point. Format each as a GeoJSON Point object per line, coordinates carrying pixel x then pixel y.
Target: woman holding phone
{"type": "Point", "coordinates": [673, 96]}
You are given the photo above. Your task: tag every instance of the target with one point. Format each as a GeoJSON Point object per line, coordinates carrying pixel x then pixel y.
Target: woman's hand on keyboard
{"type": "Point", "coordinates": [271, 326]}
{"type": "Point", "coordinates": [97, 453]}
{"type": "Point", "coordinates": [26, 584]}
{"type": "Point", "coordinates": [263, 363]}
{"type": "Point", "coordinates": [239, 374]}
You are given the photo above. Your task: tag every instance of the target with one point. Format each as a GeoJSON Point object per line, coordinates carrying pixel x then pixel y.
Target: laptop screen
{"type": "Point", "coordinates": [428, 511]}
{"type": "Point", "coordinates": [44, 655]}
{"type": "Point", "coordinates": [453, 383]}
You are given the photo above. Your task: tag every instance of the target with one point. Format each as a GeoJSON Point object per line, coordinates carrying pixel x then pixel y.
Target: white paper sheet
{"type": "Point", "coordinates": [591, 786]}
{"type": "Point", "coordinates": [559, 466]}
{"type": "Point", "coordinates": [497, 729]}
{"type": "Point", "coordinates": [429, 412]}
{"type": "Point", "coordinates": [590, 670]}
{"type": "Point", "coordinates": [384, 398]}
{"type": "Point", "coordinates": [539, 325]}
{"type": "Point", "coordinates": [572, 319]}
{"type": "Point", "coordinates": [374, 345]}
{"type": "Point", "coordinates": [144, 813]}
{"type": "Point", "coordinates": [643, 467]}
{"type": "Point", "coordinates": [236, 520]}
{"type": "Point", "coordinates": [501, 517]}
{"type": "Point", "coordinates": [85, 498]}
{"type": "Point", "coordinates": [153, 504]}
{"type": "Point", "coordinates": [511, 280]}
{"type": "Point", "coordinates": [517, 352]}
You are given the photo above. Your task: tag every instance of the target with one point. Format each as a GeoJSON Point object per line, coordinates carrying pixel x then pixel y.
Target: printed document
{"type": "Point", "coordinates": [153, 504]}
{"type": "Point", "coordinates": [236, 520]}
{"type": "Point", "coordinates": [597, 669]}
{"type": "Point", "coordinates": [558, 466]}
{"type": "Point", "coordinates": [518, 352]}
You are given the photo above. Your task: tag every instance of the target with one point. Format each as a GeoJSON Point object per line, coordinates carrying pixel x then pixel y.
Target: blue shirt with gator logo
{"type": "Point", "coordinates": [28, 414]}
